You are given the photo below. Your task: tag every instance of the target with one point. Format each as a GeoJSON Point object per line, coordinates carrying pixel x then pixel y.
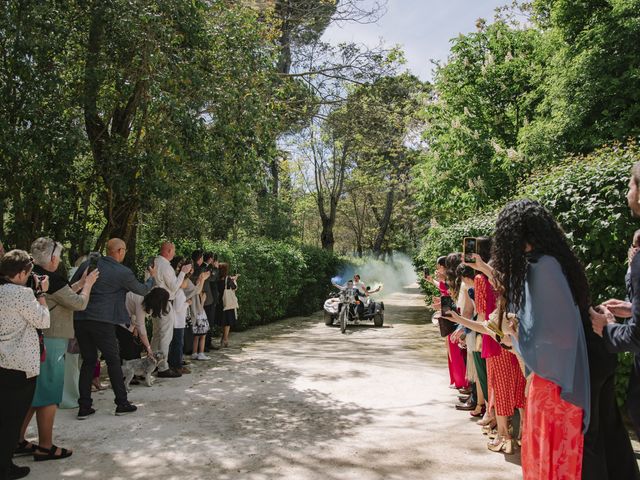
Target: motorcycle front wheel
{"type": "Point", "coordinates": [343, 320]}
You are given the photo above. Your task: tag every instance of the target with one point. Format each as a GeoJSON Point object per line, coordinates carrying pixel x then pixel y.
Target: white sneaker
{"type": "Point", "coordinates": [194, 356]}
{"type": "Point", "coordinates": [202, 356]}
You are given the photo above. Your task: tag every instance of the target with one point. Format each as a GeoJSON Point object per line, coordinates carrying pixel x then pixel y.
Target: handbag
{"type": "Point", "coordinates": [447, 327]}
{"type": "Point", "coordinates": [229, 299]}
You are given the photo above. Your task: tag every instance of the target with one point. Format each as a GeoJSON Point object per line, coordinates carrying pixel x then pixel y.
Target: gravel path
{"type": "Point", "coordinates": [293, 400]}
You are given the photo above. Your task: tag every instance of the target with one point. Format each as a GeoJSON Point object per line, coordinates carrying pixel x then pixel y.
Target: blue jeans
{"type": "Point", "coordinates": [175, 348]}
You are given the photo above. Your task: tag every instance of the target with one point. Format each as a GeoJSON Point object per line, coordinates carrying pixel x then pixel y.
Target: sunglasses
{"type": "Point", "coordinates": [55, 244]}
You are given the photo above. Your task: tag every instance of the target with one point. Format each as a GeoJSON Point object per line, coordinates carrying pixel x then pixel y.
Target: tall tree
{"type": "Point", "coordinates": [378, 119]}
{"type": "Point", "coordinates": [483, 97]}
{"type": "Point", "coordinates": [153, 75]}
{"type": "Point", "coordinates": [591, 84]}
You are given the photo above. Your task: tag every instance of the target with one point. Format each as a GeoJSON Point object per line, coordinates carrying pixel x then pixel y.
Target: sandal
{"type": "Point", "coordinates": [478, 413]}
{"type": "Point", "coordinates": [24, 449]}
{"type": "Point", "coordinates": [51, 454]}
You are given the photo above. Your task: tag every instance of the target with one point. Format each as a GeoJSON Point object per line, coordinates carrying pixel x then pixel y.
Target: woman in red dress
{"type": "Point", "coordinates": [457, 357]}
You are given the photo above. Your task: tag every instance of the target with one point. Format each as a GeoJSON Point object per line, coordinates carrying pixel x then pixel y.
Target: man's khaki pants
{"type": "Point", "coordinates": [162, 335]}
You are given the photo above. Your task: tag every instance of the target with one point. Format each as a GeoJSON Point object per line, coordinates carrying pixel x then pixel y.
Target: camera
{"type": "Point", "coordinates": [469, 248]}
{"type": "Point", "coordinates": [93, 261]}
{"type": "Point", "coordinates": [34, 282]}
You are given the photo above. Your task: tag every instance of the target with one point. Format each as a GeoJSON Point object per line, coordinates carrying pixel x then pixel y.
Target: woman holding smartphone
{"type": "Point", "coordinates": [543, 282]}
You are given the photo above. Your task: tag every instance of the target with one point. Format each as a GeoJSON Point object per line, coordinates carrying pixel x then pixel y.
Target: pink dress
{"type": "Point", "coordinates": [455, 356]}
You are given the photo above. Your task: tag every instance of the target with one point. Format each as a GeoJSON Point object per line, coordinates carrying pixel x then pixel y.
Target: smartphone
{"type": "Point", "coordinates": [426, 272]}
{"type": "Point", "coordinates": [469, 248]}
{"type": "Point", "coordinates": [151, 262]}
{"type": "Point", "coordinates": [93, 261]}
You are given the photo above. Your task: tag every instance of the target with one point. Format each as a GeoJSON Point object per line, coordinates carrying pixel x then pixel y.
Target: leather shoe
{"type": "Point", "coordinates": [465, 407]}
{"type": "Point", "coordinates": [169, 373]}
{"type": "Point", "coordinates": [16, 472]}
{"type": "Point", "coordinates": [184, 371]}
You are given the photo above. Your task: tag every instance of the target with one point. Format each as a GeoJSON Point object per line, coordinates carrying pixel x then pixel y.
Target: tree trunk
{"type": "Point", "coordinates": [326, 237]}
{"type": "Point", "coordinates": [109, 148]}
{"type": "Point", "coordinates": [384, 222]}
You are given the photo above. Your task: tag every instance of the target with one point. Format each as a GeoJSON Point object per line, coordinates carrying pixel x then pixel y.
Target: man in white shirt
{"type": "Point", "coordinates": [163, 327]}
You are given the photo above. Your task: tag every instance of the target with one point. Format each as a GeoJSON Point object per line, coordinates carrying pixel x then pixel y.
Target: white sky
{"type": "Point", "coordinates": [423, 28]}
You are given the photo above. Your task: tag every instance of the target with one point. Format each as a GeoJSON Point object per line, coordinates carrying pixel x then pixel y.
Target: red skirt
{"type": "Point", "coordinates": [552, 440]}
{"type": "Point", "coordinates": [457, 364]}
{"type": "Point", "coordinates": [507, 382]}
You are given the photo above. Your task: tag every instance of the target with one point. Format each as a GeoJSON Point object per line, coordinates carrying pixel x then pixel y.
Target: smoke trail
{"type": "Point", "coordinates": [393, 274]}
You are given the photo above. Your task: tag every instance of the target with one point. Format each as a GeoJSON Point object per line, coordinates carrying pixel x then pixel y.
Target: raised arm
{"type": "Point", "coordinates": [625, 337]}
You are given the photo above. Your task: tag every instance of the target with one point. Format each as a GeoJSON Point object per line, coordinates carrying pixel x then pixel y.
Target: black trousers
{"type": "Point", "coordinates": [15, 399]}
{"type": "Point", "coordinates": [210, 310]}
{"type": "Point", "coordinates": [608, 454]}
{"type": "Point", "coordinates": [128, 346]}
{"type": "Point", "coordinates": [633, 395]}
{"type": "Point", "coordinates": [93, 336]}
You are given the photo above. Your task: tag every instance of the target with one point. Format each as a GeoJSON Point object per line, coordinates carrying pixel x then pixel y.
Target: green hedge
{"type": "Point", "coordinates": [277, 279]}
{"type": "Point", "coordinates": [587, 195]}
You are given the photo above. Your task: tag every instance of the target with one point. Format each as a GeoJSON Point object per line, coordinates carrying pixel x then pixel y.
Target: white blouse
{"type": "Point", "coordinates": [136, 312]}
{"type": "Point", "coordinates": [180, 307]}
{"type": "Point", "coordinates": [20, 315]}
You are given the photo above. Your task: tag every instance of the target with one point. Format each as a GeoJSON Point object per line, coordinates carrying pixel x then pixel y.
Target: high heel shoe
{"type": "Point", "coordinates": [501, 444]}
{"type": "Point", "coordinates": [486, 429]}
{"type": "Point", "coordinates": [486, 421]}
{"type": "Point", "coordinates": [481, 413]}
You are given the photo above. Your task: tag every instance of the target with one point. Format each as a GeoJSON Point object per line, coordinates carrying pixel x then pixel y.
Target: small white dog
{"type": "Point", "coordinates": [142, 367]}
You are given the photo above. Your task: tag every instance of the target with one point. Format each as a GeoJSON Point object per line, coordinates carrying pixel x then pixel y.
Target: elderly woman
{"type": "Point", "coordinates": [62, 300]}
{"type": "Point", "coordinates": [21, 314]}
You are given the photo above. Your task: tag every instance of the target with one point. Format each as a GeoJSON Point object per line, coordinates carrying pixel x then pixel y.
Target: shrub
{"type": "Point", "coordinates": [587, 195]}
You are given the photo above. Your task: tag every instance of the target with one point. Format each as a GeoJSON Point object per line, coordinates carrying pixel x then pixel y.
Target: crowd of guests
{"type": "Point", "coordinates": [531, 356]}
{"type": "Point", "coordinates": [101, 312]}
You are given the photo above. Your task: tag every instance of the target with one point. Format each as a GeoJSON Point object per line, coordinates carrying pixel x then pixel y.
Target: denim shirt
{"type": "Point", "coordinates": [107, 302]}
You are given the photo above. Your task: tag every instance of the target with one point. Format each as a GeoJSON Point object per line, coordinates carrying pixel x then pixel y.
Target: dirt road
{"type": "Point", "coordinates": [293, 400]}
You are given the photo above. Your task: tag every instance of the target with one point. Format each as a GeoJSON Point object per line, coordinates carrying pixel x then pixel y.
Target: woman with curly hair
{"type": "Point", "coordinates": [544, 283]}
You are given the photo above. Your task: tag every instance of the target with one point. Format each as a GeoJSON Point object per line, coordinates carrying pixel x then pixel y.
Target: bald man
{"type": "Point", "coordinates": [163, 327]}
{"type": "Point", "coordinates": [95, 326]}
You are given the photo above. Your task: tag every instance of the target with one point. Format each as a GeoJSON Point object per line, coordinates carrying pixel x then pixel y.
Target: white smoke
{"type": "Point", "coordinates": [394, 273]}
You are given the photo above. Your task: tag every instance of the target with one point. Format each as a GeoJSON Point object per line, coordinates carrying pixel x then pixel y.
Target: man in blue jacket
{"type": "Point", "coordinates": [95, 326]}
{"type": "Point", "coordinates": [625, 337]}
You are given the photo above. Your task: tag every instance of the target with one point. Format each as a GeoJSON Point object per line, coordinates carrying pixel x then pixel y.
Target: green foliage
{"type": "Point", "coordinates": [587, 197]}
{"type": "Point", "coordinates": [482, 97]}
{"type": "Point", "coordinates": [591, 84]}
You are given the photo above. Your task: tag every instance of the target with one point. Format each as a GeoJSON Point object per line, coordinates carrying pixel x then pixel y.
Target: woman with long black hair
{"type": "Point", "coordinates": [571, 389]}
